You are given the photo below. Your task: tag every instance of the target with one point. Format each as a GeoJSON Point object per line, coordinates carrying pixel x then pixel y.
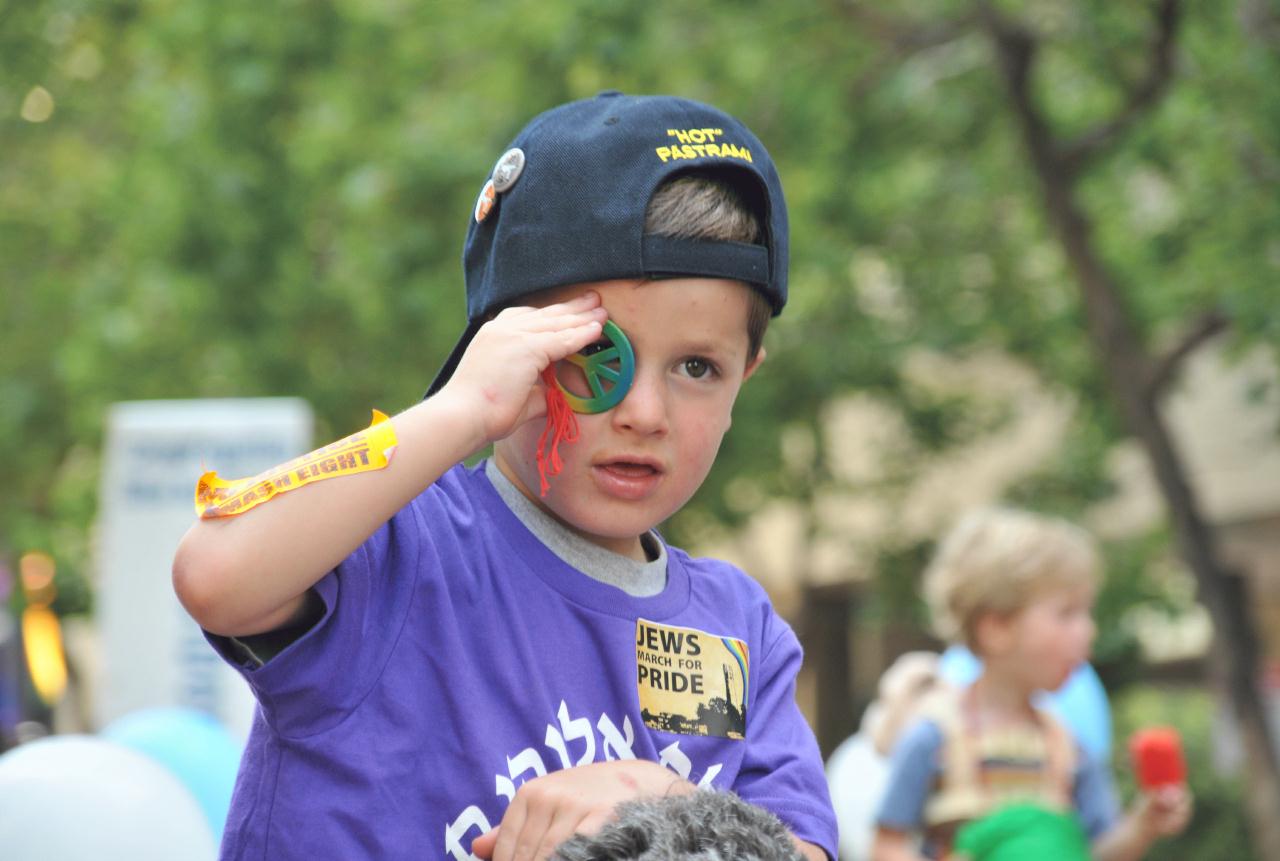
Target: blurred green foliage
{"type": "Point", "coordinates": [245, 198]}
{"type": "Point", "coordinates": [264, 199]}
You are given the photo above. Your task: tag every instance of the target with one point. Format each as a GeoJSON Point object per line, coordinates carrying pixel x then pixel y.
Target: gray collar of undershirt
{"type": "Point", "coordinates": [638, 579]}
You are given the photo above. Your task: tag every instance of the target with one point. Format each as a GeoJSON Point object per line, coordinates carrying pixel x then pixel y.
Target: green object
{"type": "Point", "coordinates": [1023, 831]}
{"type": "Point", "coordinates": [607, 373]}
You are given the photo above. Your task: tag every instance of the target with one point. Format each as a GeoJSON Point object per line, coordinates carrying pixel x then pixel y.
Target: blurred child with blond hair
{"type": "Point", "coordinates": [982, 772]}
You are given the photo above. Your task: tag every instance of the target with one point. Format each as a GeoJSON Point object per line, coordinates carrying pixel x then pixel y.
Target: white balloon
{"type": "Point", "coordinates": [856, 775]}
{"type": "Point", "coordinates": [77, 797]}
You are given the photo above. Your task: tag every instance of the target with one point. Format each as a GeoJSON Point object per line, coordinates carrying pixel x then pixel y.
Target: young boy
{"type": "Point", "coordinates": [451, 661]}
{"type": "Point", "coordinates": [1018, 589]}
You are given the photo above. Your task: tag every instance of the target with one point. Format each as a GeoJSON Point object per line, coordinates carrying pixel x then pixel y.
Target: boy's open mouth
{"type": "Point", "coordinates": [628, 478]}
{"type": "Point", "coordinates": [630, 469]}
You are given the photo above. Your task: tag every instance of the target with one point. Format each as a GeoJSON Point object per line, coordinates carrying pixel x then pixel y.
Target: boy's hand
{"type": "Point", "coordinates": [549, 810]}
{"type": "Point", "coordinates": [1164, 812]}
{"type": "Point", "coordinates": [497, 378]}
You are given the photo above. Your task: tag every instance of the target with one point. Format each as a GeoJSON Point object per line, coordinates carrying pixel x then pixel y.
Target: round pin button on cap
{"type": "Point", "coordinates": [508, 169]}
{"type": "Point", "coordinates": [484, 203]}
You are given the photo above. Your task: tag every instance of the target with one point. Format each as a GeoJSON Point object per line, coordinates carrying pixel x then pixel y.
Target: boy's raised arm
{"type": "Point", "coordinates": [250, 573]}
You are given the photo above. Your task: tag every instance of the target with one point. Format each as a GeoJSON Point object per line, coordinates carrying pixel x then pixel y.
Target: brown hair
{"type": "Point", "coordinates": [707, 206]}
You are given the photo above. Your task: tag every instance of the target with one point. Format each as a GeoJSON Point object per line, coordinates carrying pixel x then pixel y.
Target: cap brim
{"type": "Point", "coordinates": [451, 363]}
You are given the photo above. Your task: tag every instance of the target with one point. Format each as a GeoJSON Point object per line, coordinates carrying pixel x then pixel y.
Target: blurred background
{"type": "Point", "coordinates": [1035, 260]}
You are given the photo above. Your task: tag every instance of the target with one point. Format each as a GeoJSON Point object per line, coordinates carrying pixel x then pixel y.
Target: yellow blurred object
{"type": "Point", "coordinates": [42, 642]}
{"type": "Point", "coordinates": [35, 570]}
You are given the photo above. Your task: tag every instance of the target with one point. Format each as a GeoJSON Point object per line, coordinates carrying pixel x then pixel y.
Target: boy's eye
{"type": "Point", "coordinates": [696, 368]}
{"type": "Point", "coordinates": [592, 349]}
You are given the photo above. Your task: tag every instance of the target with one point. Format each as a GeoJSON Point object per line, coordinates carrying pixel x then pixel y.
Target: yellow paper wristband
{"type": "Point", "coordinates": [363, 451]}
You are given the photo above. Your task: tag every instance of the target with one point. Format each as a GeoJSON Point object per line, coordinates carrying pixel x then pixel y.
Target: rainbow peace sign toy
{"type": "Point", "coordinates": [598, 377]}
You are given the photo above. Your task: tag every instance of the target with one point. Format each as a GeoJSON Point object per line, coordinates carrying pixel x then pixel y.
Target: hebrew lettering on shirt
{"type": "Point", "coordinates": [710, 775]}
{"type": "Point", "coordinates": [528, 764]}
{"type": "Point", "coordinates": [571, 729]}
{"type": "Point", "coordinates": [470, 818]}
{"type": "Point", "coordinates": [526, 760]}
{"type": "Point", "coordinates": [617, 745]}
{"type": "Point", "coordinates": [675, 759]}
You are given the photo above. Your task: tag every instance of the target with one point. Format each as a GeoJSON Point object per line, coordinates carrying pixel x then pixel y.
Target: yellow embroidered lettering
{"type": "Point", "coordinates": [700, 143]}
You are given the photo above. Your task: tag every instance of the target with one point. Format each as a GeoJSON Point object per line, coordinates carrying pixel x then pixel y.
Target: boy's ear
{"type": "Point", "coordinates": [993, 632]}
{"type": "Point", "coordinates": [753, 364]}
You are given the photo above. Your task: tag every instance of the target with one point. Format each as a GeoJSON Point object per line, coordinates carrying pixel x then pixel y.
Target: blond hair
{"type": "Point", "coordinates": [997, 560]}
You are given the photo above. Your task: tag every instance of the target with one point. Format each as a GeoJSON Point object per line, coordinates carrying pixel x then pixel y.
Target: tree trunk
{"type": "Point", "coordinates": [1128, 371]}
{"type": "Point", "coordinates": [825, 626]}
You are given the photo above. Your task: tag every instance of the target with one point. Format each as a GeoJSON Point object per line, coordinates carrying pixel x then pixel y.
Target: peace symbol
{"type": "Point", "coordinates": [606, 373]}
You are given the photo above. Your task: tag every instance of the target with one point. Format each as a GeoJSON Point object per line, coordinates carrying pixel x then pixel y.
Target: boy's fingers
{"type": "Point", "coordinates": [592, 823]}
{"type": "Point", "coordinates": [553, 322]}
{"type": "Point", "coordinates": [532, 835]}
{"type": "Point", "coordinates": [561, 830]}
{"type": "Point", "coordinates": [508, 830]}
{"type": "Point", "coordinates": [482, 846]}
{"type": "Point", "coordinates": [577, 305]}
{"type": "Point", "coordinates": [571, 340]}
{"type": "Point", "coordinates": [589, 299]}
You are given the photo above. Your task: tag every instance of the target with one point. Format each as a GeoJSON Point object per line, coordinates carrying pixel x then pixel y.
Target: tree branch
{"type": "Point", "coordinates": [899, 37]}
{"type": "Point", "coordinates": [1016, 48]}
{"type": "Point", "coordinates": [904, 37]}
{"type": "Point", "coordinates": [1142, 97]}
{"type": "Point", "coordinates": [1166, 366]}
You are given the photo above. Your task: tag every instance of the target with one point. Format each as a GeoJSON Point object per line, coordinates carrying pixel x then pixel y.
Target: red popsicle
{"type": "Point", "coordinates": [1157, 757]}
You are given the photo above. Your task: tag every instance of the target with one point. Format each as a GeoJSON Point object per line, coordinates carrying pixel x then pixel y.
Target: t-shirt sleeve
{"type": "Point", "coordinates": [319, 678]}
{"type": "Point", "coordinates": [782, 769]}
{"type": "Point", "coordinates": [1095, 796]}
{"type": "Point", "coordinates": [912, 768]}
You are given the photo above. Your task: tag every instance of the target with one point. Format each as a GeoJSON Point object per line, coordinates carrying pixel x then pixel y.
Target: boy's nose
{"type": "Point", "coordinates": [644, 409]}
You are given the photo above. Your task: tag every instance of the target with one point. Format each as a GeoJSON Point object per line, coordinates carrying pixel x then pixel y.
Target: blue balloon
{"type": "Point", "coordinates": [1081, 703]}
{"type": "Point", "coordinates": [84, 798]}
{"type": "Point", "coordinates": [193, 746]}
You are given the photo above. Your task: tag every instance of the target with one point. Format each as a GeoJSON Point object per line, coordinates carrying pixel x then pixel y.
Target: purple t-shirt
{"type": "Point", "coordinates": [458, 657]}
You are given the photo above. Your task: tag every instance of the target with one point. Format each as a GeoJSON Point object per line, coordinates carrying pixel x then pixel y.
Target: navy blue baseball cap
{"type": "Point", "coordinates": [565, 204]}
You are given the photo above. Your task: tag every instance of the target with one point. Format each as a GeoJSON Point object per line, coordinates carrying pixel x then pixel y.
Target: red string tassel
{"type": "Point", "coordinates": [562, 426]}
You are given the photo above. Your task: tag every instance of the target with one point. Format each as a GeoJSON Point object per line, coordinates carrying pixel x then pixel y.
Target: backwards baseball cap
{"type": "Point", "coordinates": [565, 204]}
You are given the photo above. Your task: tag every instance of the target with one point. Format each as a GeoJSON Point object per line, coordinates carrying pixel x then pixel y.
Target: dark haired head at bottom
{"type": "Point", "coordinates": [703, 826]}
